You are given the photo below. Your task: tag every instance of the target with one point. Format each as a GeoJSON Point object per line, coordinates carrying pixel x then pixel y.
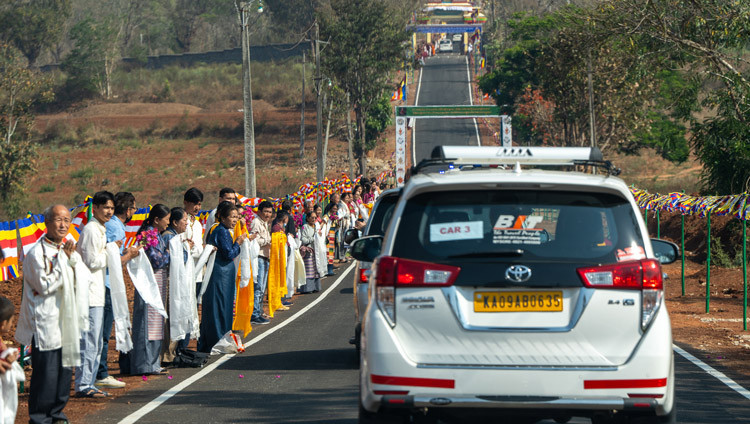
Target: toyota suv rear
{"type": "Point", "coordinates": [516, 292]}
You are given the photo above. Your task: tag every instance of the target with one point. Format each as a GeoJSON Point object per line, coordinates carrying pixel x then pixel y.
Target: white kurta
{"type": "Point", "coordinates": [92, 247]}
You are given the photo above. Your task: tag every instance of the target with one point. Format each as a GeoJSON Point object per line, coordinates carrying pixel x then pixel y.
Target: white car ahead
{"type": "Point", "coordinates": [520, 293]}
{"type": "Point", "coordinates": [445, 46]}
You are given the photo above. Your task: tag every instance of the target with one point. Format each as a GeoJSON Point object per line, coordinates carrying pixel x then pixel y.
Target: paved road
{"type": "Point", "coordinates": [445, 81]}
{"type": "Point", "coordinates": [306, 372]}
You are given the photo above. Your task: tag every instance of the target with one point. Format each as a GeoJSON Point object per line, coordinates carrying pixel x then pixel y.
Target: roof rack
{"type": "Point", "coordinates": [489, 156]}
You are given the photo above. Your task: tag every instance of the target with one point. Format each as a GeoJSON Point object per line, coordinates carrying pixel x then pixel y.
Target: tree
{"type": "Point", "coordinates": [541, 77]}
{"type": "Point", "coordinates": [707, 40]}
{"type": "Point", "coordinates": [366, 46]}
{"type": "Point", "coordinates": [33, 25]}
{"type": "Point", "coordinates": [21, 89]}
{"type": "Point", "coordinates": [93, 60]}
{"type": "Point", "coordinates": [189, 15]}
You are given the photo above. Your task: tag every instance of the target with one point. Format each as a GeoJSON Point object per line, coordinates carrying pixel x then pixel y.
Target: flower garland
{"type": "Point", "coordinates": [149, 238]}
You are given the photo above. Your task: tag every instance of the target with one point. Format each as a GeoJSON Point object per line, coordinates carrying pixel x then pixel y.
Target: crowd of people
{"type": "Point", "coordinates": [238, 268]}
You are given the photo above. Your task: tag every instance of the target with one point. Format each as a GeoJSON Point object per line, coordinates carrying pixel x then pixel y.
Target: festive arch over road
{"type": "Point", "coordinates": [404, 113]}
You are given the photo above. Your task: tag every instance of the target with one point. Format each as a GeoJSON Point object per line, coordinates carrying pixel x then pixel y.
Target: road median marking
{"type": "Point", "coordinates": [147, 408]}
{"type": "Point", "coordinates": [713, 372]}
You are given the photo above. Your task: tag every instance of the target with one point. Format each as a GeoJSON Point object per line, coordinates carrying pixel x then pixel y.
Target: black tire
{"type": "Point", "coordinates": [358, 337]}
{"type": "Point", "coordinates": [670, 418]}
{"type": "Point", "coordinates": [367, 417]}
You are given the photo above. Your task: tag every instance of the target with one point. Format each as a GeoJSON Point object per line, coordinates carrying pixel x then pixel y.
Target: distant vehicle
{"type": "Point", "coordinates": [503, 291]}
{"type": "Point", "coordinates": [458, 37]}
{"type": "Point", "coordinates": [445, 45]}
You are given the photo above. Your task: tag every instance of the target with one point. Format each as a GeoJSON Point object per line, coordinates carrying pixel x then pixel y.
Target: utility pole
{"type": "Point", "coordinates": [592, 121]}
{"type": "Point", "coordinates": [350, 136]}
{"type": "Point", "coordinates": [321, 164]}
{"type": "Point", "coordinates": [302, 125]}
{"type": "Point", "coordinates": [247, 98]}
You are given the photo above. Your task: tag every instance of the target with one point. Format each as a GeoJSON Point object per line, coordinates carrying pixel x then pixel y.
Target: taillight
{"type": "Point", "coordinates": [644, 275]}
{"type": "Point", "coordinates": [391, 273]}
{"type": "Point", "coordinates": [364, 275]}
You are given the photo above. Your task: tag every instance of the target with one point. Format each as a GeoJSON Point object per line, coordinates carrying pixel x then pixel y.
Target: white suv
{"type": "Point", "coordinates": [518, 292]}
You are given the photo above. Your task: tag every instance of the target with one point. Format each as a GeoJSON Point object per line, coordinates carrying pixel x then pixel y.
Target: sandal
{"type": "Point", "coordinates": [91, 392]}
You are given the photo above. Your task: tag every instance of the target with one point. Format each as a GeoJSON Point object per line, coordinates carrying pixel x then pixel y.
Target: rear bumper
{"type": "Point", "coordinates": [520, 403]}
{"type": "Point", "coordinates": [642, 385]}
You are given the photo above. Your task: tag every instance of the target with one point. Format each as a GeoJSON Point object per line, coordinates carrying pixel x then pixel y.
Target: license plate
{"type": "Point", "coordinates": [518, 301]}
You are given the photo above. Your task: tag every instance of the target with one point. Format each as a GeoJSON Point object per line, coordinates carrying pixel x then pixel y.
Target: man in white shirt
{"type": "Point", "coordinates": [92, 247]}
{"type": "Point", "coordinates": [259, 226]}
{"type": "Point", "coordinates": [40, 322]}
{"type": "Point", "coordinates": [192, 202]}
{"type": "Point", "coordinates": [115, 227]}
{"type": "Point", "coordinates": [226, 194]}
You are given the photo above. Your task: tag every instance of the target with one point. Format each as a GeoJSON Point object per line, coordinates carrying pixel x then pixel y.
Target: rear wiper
{"type": "Point", "coordinates": [501, 254]}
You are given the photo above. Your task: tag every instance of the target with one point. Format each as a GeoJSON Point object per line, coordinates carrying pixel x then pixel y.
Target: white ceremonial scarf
{"type": "Point", "coordinates": [246, 271]}
{"type": "Point", "coordinates": [207, 251]}
{"type": "Point", "coordinates": [254, 253]}
{"type": "Point", "coordinates": [209, 271]}
{"type": "Point", "coordinates": [181, 290]}
{"type": "Point", "coordinates": [321, 251]}
{"type": "Point", "coordinates": [9, 387]}
{"type": "Point", "coordinates": [290, 264]}
{"type": "Point", "coordinates": [299, 270]}
{"type": "Point", "coordinates": [144, 281]}
{"type": "Point", "coordinates": [83, 277]}
{"type": "Point", "coordinates": [70, 330]}
{"type": "Point", "coordinates": [119, 297]}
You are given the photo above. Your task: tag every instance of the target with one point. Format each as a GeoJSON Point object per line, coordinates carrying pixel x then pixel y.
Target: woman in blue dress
{"type": "Point", "coordinates": [218, 301]}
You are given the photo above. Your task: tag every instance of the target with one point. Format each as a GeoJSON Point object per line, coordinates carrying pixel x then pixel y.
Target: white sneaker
{"type": "Point", "coordinates": [110, 382]}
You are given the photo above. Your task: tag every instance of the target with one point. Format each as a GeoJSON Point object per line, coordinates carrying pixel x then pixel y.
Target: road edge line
{"type": "Point", "coordinates": [471, 99]}
{"type": "Point", "coordinates": [713, 372]}
{"type": "Point", "coordinates": [159, 400]}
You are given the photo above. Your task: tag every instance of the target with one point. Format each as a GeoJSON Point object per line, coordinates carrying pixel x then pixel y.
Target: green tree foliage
{"type": "Point", "coordinates": [640, 101]}
{"type": "Point", "coordinates": [90, 65]}
{"type": "Point", "coordinates": [378, 120]}
{"type": "Point", "coordinates": [707, 40]}
{"type": "Point", "coordinates": [33, 25]}
{"type": "Point", "coordinates": [21, 89]}
{"type": "Point", "coordinates": [366, 46]}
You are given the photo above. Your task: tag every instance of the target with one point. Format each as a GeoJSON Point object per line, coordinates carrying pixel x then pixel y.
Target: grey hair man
{"type": "Point", "coordinates": [48, 269]}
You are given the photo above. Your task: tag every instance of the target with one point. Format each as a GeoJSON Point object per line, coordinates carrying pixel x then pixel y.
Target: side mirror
{"type": "Point", "coordinates": [350, 235]}
{"type": "Point", "coordinates": [366, 249]}
{"type": "Point", "coordinates": [665, 251]}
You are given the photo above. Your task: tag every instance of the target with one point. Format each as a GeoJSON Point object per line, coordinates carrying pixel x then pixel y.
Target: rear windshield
{"type": "Point", "coordinates": [532, 224]}
{"type": "Point", "coordinates": [381, 215]}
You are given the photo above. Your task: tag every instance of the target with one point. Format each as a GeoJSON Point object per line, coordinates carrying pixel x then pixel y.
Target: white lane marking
{"type": "Point", "coordinates": [713, 372]}
{"type": "Point", "coordinates": [414, 125]}
{"type": "Point", "coordinates": [145, 409]}
{"type": "Point", "coordinates": [471, 99]}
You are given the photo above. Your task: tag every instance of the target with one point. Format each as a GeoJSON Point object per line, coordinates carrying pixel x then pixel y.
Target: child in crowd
{"type": "Point", "coordinates": [8, 380]}
{"type": "Point", "coordinates": [279, 223]}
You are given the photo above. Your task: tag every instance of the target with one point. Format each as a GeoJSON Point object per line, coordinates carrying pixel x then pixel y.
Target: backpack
{"type": "Point", "coordinates": [187, 358]}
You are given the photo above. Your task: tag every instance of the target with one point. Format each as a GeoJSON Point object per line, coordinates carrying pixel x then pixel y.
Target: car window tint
{"type": "Point", "coordinates": [382, 215]}
{"type": "Point", "coordinates": [548, 225]}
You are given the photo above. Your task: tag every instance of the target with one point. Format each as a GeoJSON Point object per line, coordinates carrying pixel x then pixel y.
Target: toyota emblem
{"type": "Point", "coordinates": [518, 273]}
